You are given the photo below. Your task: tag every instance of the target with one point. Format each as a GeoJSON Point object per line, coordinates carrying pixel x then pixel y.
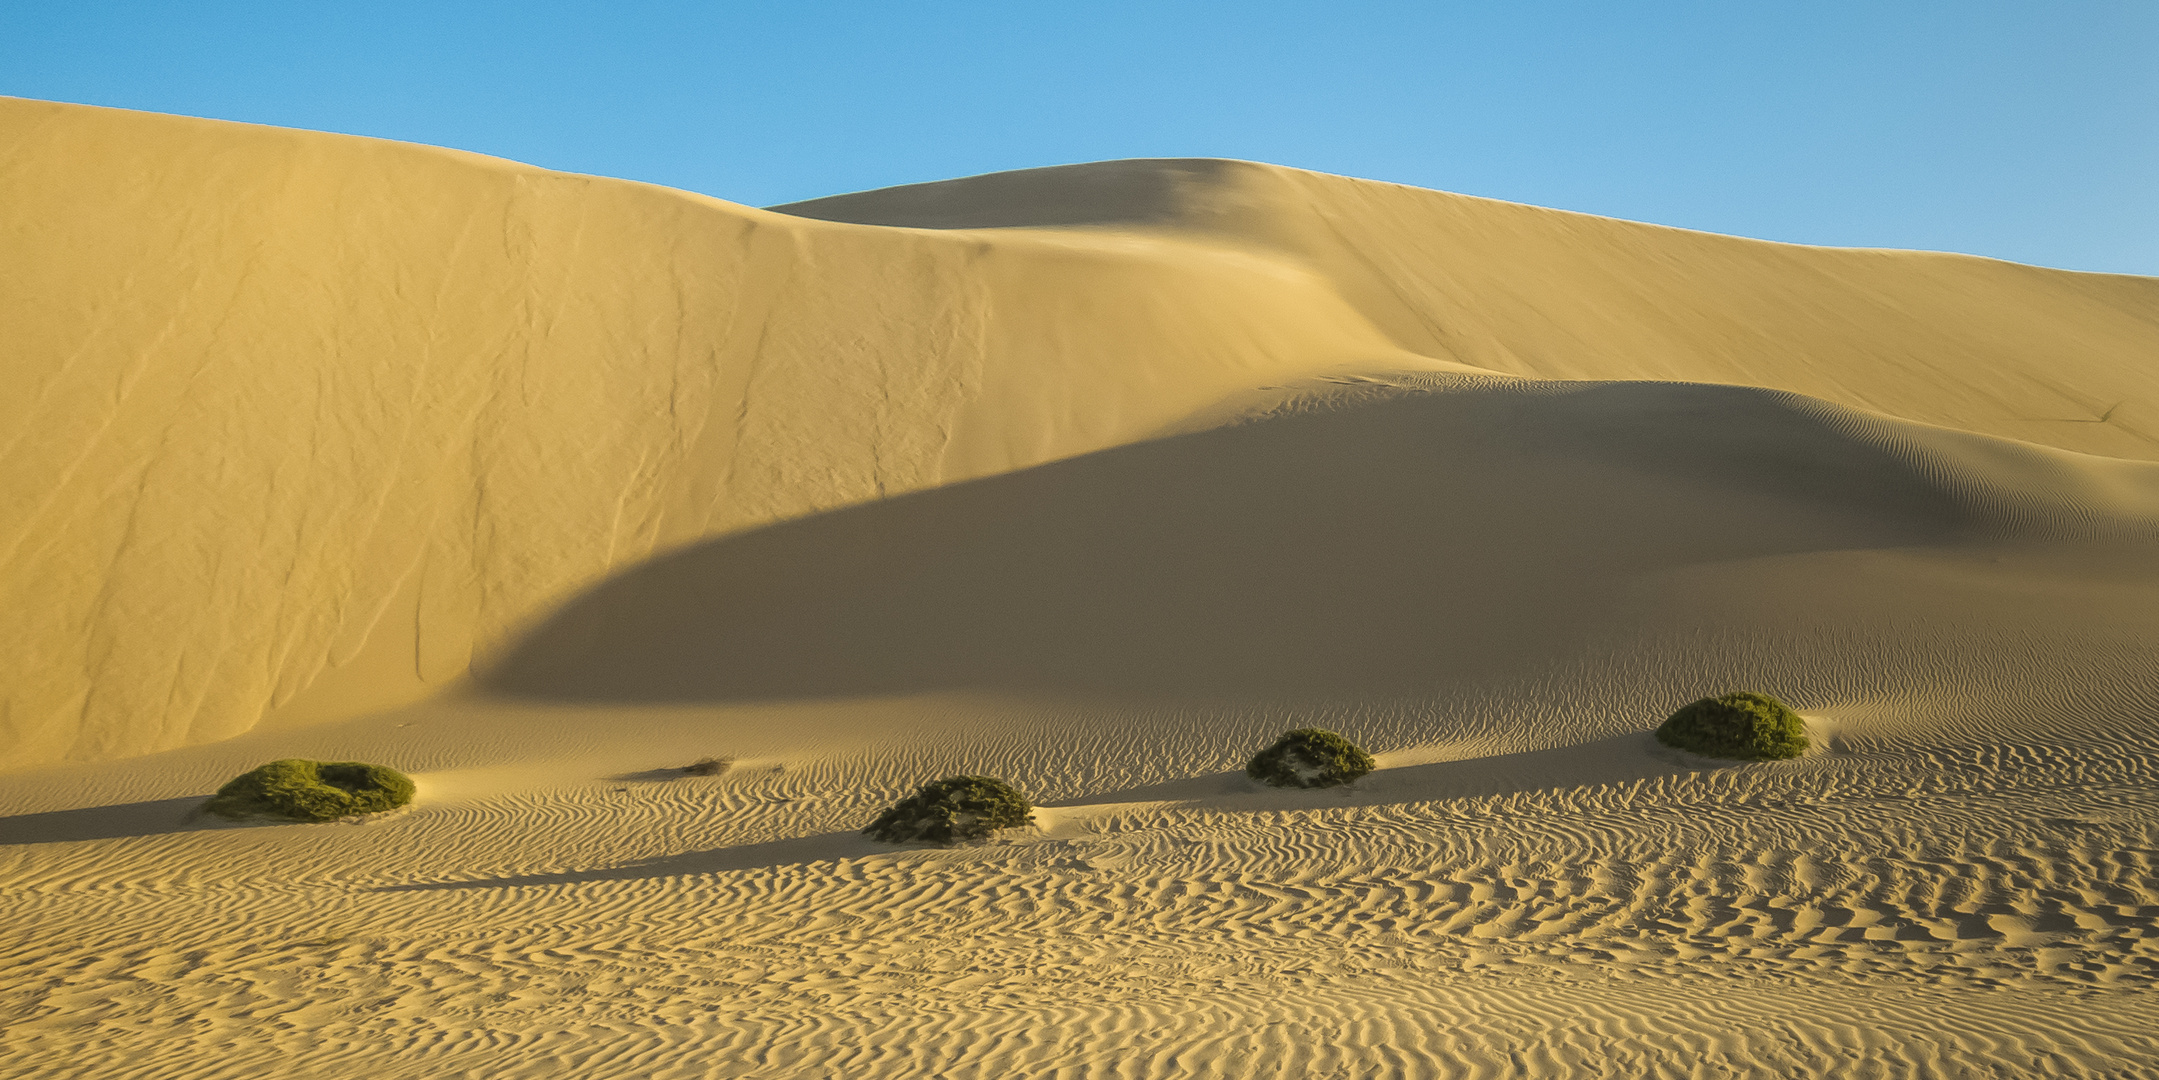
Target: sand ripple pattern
{"type": "Point", "coordinates": [1979, 910]}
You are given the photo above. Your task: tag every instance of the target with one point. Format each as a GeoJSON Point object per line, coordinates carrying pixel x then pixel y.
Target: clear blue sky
{"type": "Point", "coordinates": [2026, 131]}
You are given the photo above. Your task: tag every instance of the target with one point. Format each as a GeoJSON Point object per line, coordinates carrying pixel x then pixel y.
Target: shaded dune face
{"type": "Point", "coordinates": [1144, 191]}
{"type": "Point", "coordinates": [1392, 546]}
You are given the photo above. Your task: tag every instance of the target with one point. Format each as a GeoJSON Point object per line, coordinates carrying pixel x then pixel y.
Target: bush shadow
{"type": "Point", "coordinates": [155, 817]}
{"type": "Point", "coordinates": [802, 849]}
{"type": "Point", "coordinates": [652, 776]}
{"type": "Point", "coordinates": [1606, 762]}
{"type": "Point", "coordinates": [1622, 759]}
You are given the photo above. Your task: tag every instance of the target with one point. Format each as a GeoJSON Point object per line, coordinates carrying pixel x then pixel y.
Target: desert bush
{"type": "Point", "coordinates": [312, 790]}
{"type": "Point", "coordinates": [711, 766]}
{"type": "Point", "coordinates": [1745, 726]}
{"type": "Point", "coordinates": [1310, 758]}
{"type": "Point", "coordinates": [952, 810]}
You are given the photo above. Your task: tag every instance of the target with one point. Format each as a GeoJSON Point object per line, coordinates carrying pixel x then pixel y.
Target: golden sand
{"type": "Point", "coordinates": [1093, 478]}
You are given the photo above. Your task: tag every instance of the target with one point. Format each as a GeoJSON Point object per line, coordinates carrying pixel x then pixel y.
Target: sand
{"type": "Point", "coordinates": [1094, 478]}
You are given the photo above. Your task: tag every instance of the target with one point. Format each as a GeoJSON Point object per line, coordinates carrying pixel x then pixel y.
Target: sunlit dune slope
{"type": "Point", "coordinates": [2045, 356]}
{"type": "Point", "coordinates": [301, 423]}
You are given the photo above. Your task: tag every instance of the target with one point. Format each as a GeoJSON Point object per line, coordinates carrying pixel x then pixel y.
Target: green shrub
{"type": "Point", "coordinates": [312, 790]}
{"type": "Point", "coordinates": [1745, 726]}
{"type": "Point", "coordinates": [953, 810]}
{"type": "Point", "coordinates": [1310, 758]}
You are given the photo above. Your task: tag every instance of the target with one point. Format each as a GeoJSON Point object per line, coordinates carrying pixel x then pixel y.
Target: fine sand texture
{"type": "Point", "coordinates": [1096, 478]}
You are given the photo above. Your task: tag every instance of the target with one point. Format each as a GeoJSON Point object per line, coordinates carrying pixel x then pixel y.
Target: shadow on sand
{"type": "Point", "coordinates": [1621, 760]}
{"type": "Point", "coordinates": [153, 818]}
{"type": "Point", "coordinates": [821, 847]}
{"type": "Point", "coordinates": [1387, 550]}
{"type": "Point", "coordinates": [1137, 192]}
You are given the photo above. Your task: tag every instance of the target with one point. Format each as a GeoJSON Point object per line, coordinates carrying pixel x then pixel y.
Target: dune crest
{"type": "Point", "coordinates": [1952, 340]}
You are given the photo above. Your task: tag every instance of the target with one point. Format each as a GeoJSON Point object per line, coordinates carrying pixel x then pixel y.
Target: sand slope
{"type": "Point", "coordinates": [1095, 479]}
{"type": "Point", "coordinates": [291, 402]}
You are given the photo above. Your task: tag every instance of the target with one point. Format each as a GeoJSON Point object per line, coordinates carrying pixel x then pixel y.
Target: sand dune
{"type": "Point", "coordinates": [308, 421]}
{"type": "Point", "coordinates": [1093, 478]}
{"type": "Point", "coordinates": [296, 403]}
